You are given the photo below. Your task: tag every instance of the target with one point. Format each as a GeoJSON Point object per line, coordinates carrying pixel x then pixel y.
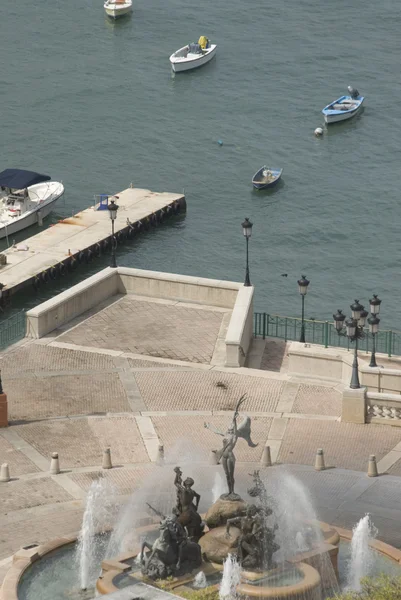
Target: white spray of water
{"type": "Point", "coordinates": [158, 490]}
{"type": "Point", "coordinates": [99, 515]}
{"type": "Point", "coordinates": [362, 556]}
{"type": "Point", "coordinates": [231, 578]}
{"type": "Point", "coordinates": [155, 489]}
{"type": "Point", "coordinates": [301, 542]}
{"type": "Point", "coordinates": [218, 486]}
{"type": "Point", "coordinates": [294, 513]}
{"type": "Point", "coordinates": [298, 528]}
{"type": "Point", "coordinates": [200, 580]}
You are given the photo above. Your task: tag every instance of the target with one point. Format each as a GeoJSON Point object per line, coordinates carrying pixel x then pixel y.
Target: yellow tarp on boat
{"type": "Point", "coordinates": [203, 42]}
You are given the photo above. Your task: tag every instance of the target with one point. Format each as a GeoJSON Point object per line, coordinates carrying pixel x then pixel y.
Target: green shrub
{"type": "Point", "coordinates": [209, 593]}
{"type": "Point", "coordinates": [383, 587]}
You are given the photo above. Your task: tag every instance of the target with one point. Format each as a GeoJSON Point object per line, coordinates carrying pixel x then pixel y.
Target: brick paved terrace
{"type": "Point", "coordinates": [138, 373]}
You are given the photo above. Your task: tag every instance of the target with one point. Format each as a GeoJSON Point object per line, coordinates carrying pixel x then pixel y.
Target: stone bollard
{"type": "Point", "coordinates": [54, 464]}
{"type": "Point", "coordinates": [372, 466]}
{"type": "Point", "coordinates": [319, 460]}
{"type": "Point", "coordinates": [106, 464]}
{"type": "Point", "coordinates": [266, 460]}
{"type": "Point", "coordinates": [213, 458]}
{"type": "Point", "coordinates": [160, 455]}
{"type": "Point", "coordinates": [4, 472]}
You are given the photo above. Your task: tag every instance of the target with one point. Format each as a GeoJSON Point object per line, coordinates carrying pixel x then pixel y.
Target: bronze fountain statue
{"type": "Point", "coordinates": [226, 454]}
{"type": "Point", "coordinates": [177, 551]}
{"type": "Point", "coordinates": [173, 553]}
{"type": "Point", "coordinates": [187, 511]}
{"type": "Point", "coordinates": [256, 543]}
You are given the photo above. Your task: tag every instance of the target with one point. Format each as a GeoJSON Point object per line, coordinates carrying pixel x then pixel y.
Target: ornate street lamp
{"type": "Point", "coordinates": [113, 208]}
{"type": "Point", "coordinates": [354, 331]}
{"type": "Point", "coordinates": [375, 305]}
{"type": "Point", "coordinates": [247, 230]}
{"type": "Point", "coordinates": [373, 328]}
{"type": "Point", "coordinates": [339, 319]}
{"type": "Point", "coordinates": [303, 288]}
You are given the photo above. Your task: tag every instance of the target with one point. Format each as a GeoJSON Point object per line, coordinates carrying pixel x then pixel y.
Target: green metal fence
{"type": "Point", "coordinates": [12, 329]}
{"type": "Point", "coordinates": [323, 333]}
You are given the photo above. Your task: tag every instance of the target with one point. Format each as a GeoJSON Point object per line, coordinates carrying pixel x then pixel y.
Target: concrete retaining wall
{"type": "Point", "coordinates": [380, 398]}
{"type": "Point", "coordinates": [315, 361]}
{"type": "Point", "coordinates": [178, 287]}
{"type": "Point", "coordinates": [64, 307]}
{"type": "Point", "coordinates": [240, 330]}
{"type": "Point", "coordinates": [335, 364]}
{"type": "Point", "coordinates": [381, 380]}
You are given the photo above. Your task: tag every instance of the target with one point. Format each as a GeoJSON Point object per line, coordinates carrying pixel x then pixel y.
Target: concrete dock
{"type": "Point", "coordinates": [82, 237]}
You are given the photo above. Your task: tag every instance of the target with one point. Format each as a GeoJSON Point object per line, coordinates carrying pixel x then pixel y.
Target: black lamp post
{"type": "Point", "coordinates": [303, 288]}
{"type": "Point", "coordinates": [247, 230]}
{"type": "Point", "coordinates": [113, 208]}
{"type": "Point", "coordinates": [374, 325]}
{"type": "Point", "coordinates": [354, 331]}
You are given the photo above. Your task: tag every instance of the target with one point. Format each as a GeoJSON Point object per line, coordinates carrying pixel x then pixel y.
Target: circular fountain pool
{"type": "Point", "coordinates": [55, 577]}
{"type": "Point", "coordinates": [308, 555]}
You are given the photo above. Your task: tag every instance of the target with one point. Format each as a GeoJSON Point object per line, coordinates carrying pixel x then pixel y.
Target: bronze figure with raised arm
{"type": "Point", "coordinates": [226, 454]}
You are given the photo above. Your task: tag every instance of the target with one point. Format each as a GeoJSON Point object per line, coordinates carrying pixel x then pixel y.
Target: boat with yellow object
{"type": "Point", "coordinates": [193, 55]}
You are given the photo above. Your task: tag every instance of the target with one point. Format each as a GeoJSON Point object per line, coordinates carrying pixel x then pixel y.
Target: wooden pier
{"type": "Point", "coordinates": [80, 238]}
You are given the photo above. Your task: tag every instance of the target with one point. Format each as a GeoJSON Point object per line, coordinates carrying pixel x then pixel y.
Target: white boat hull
{"type": "Point", "coordinates": [179, 64]}
{"type": "Point", "coordinates": [343, 108]}
{"type": "Point", "coordinates": [42, 210]}
{"type": "Point", "coordinates": [115, 10]}
{"type": "Point", "coordinates": [341, 117]}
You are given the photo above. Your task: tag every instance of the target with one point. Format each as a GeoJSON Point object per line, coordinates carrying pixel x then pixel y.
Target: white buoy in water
{"type": "Point", "coordinates": [318, 131]}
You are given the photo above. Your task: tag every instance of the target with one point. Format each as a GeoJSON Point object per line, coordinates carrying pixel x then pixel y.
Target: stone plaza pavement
{"type": "Point", "coordinates": [138, 373]}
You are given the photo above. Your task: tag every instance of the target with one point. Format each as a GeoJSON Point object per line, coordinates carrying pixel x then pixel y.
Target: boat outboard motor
{"type": "Point", "coordinates": [353, 92]}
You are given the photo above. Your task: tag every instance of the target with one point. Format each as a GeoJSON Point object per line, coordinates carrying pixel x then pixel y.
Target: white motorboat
{"type": "Point", "coordinates": [117, 8]}
{"type": "Point", "coordinates": [344, 107]}
{"type": "Point", "coordinates": [193, 56]}
{"type": "Point", "coordinates": [26, 198]}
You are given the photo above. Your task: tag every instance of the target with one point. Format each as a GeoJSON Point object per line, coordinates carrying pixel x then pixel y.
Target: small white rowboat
{"type": "Point", "coordinates": [193, 56]}
{"type": "Point", "coordinates": [117, 8]}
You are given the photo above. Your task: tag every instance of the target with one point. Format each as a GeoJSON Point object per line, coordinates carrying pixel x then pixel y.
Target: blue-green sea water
{"type": "Point", "coordinates": [93, 103]}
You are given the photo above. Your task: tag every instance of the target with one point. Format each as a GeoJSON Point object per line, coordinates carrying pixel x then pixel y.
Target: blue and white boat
{"type": "Point", "coordinates": [343, 108]}
{"type": "Point", "coordinates": [266, 177]}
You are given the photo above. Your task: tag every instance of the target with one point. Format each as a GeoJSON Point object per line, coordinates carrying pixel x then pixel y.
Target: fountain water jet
{"type": "Point", "coordinates": [219, 487]}
{"type": "Point", "coordinates": [296, 518]}
{"type": "Point", "coordinates": [156, 485]}
{"type": "Point", "coordinates": [362, 556]}
{"type": "Point", "coordinates": [124, 535]}
{"type": "Point", "coordinates": [293, 512]}
{"type": "Point", "coordinates": [99, 515]}
{"type": "Point", "coordinates": [200, 580]}
{"type": "Point", "coordinates": [231, 578]}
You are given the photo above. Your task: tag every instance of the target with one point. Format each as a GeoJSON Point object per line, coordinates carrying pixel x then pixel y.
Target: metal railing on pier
{"type": "Point", "coordinates": [322, 333]}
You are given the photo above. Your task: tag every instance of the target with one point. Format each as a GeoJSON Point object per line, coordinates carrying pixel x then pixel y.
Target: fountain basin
{"type": "Point", "coordinates": [21, 581]}
{"type": "Point", "coordinates": [309, 584]}
{"type": "Point", "coordinates": [290, 582]}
